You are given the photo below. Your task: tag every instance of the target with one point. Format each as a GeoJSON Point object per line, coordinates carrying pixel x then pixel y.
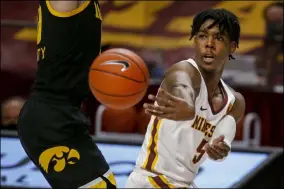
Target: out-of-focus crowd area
{"type": "Point", "coordinates": [159, 32]}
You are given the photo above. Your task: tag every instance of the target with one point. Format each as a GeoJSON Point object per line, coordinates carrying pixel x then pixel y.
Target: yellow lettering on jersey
{"type": "Point", "coordinates": [210, 133]}
{"type": "Point", "coordinates": [205, 127]}
{"type": "Point", "coordinates": [203, 122]}
{"type": "Point", "coordinates": [196, 122]}
{"type": "Point", "coordinates": [138, 15]}
{"type": "Point", "coordinates": [202, 125]}
{"type": "Point", "coordinates": [41, 53]}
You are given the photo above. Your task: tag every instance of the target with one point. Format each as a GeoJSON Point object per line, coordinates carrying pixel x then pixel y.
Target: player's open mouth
{"type": "Point", "coordinates": [208, 58]}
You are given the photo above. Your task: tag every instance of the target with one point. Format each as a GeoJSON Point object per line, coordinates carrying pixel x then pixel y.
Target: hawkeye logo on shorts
{"type": "Point", "coordinates": [58, 156]}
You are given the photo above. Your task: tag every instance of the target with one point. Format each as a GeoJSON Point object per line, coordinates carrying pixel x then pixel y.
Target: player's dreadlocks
{"type": "Point", "coordinates": [227, 21]}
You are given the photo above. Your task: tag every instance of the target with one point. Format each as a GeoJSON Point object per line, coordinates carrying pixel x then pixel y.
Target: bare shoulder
{"type": "Point", "coordinates": [182, 66]}
{"type": "Point", "coordinates": [183, 69]}
{"type": "Point", "coordinates": [239, 97]}
{"type": "Point", "coordinates": [65, 6]}
{"type": "Point", "coordinates": [239, 106]}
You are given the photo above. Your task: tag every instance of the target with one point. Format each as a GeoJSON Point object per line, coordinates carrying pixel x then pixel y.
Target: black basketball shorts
{"type": "Point", "coordinates": [55, 137]}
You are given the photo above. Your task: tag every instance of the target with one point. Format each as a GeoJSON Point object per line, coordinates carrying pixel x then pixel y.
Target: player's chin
{"type": "Point", "coordinates": [209, 66]}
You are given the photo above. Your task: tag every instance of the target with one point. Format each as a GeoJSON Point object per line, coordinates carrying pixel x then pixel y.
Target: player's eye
{"type": "Point", "coordinates": [202, 36]}
{"type": "Point", "coordinates": [220, 38]}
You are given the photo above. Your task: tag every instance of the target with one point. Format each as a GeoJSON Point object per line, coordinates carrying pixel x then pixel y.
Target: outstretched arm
{"type": "Point", "coordinates": [176, 97]}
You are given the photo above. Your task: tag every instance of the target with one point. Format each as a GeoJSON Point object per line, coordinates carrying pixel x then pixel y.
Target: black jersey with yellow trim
{"type": "Point", "coordinates": [67, 44]}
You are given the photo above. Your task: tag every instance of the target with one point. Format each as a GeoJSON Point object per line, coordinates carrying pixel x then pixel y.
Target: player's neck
{"type": "Point", "coordinates": [211, 80]}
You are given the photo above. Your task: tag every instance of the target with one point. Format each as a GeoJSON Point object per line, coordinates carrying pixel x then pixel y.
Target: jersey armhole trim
{"type": "Point", "coordinates": [67, 14]}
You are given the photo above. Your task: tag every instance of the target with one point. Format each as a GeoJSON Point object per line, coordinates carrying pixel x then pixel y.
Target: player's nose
{"type": "Point", "coordinates": [210, 44]}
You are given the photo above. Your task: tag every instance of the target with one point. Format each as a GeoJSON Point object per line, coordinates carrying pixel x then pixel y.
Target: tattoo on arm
{"type": "Point", "coordinates": [184, 92]}
{"type": "Point", "coordinates": [179, 84]}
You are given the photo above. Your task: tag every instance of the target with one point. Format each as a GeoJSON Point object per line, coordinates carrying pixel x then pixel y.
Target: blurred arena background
{"type": "Point", "coordinates": [159, 32]}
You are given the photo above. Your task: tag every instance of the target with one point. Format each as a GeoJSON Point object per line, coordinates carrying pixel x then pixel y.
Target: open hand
{"type": "Point", "coordinates": [168, 107]}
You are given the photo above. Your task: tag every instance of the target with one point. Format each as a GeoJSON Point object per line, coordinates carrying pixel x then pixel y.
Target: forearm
{"type": "Point", "coordinates": [226, 127]}
{"type": "Point", "coordinates": [220, 143]}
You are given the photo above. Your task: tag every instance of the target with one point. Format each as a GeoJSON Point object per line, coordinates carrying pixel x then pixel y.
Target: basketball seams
{"type": "Point", "coordinates": [112, 73]}
{"type": "Point", "coordinates": [131, 85]}
{"type": "Point", "coordinates": [129, 58]}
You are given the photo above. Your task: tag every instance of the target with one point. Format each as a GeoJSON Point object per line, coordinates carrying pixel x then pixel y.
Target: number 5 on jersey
{"type": "Point", "coordinates": [200, 152]}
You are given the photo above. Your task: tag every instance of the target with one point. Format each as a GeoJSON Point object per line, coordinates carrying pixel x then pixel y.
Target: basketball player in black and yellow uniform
{"type": "Point", "coordinates": [52, 128]}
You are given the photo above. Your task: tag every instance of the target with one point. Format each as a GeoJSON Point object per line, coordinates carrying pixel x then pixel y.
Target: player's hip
{"type": "Point", "coordinates": [63, 94]}
{"type": "Point", "coordinates": [40, 103]}
{"type": "Point", "coordinates": [166, 161]}
{"type": "Point", "coordinates": [46, 121]}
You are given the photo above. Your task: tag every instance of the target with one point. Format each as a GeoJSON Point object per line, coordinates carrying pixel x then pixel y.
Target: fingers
{"type": "Point", "coordinates": [158, 109]}
{"type": "Point", "coordinates": [164, 94]}
{"type": "Point", "coordinates": [161, 116]}
{"type": "Point", "coordinates": [152, 97]}
{"type": "Point", "coordinates": [164, 98]}
{"type": "Point", "coordinates": [220, 150]}
{"type": "Point", "coordinates": [157, 114]}
{"type": "Point", "coordinates": [223, 146]}
{"type": "Point", "coordinates": [219, 139]}
{"type": "Point", "coordinates": [213, 153]}
{"type": "Point", "coordinates": [161, 101]}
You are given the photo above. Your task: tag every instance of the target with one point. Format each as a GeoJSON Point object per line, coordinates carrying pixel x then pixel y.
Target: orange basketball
{"type": "Point", "coordinates": [118, 78]}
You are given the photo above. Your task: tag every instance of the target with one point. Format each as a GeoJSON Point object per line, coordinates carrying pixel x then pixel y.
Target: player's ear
{"type": "Point", "coordinates": [233, 47]}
